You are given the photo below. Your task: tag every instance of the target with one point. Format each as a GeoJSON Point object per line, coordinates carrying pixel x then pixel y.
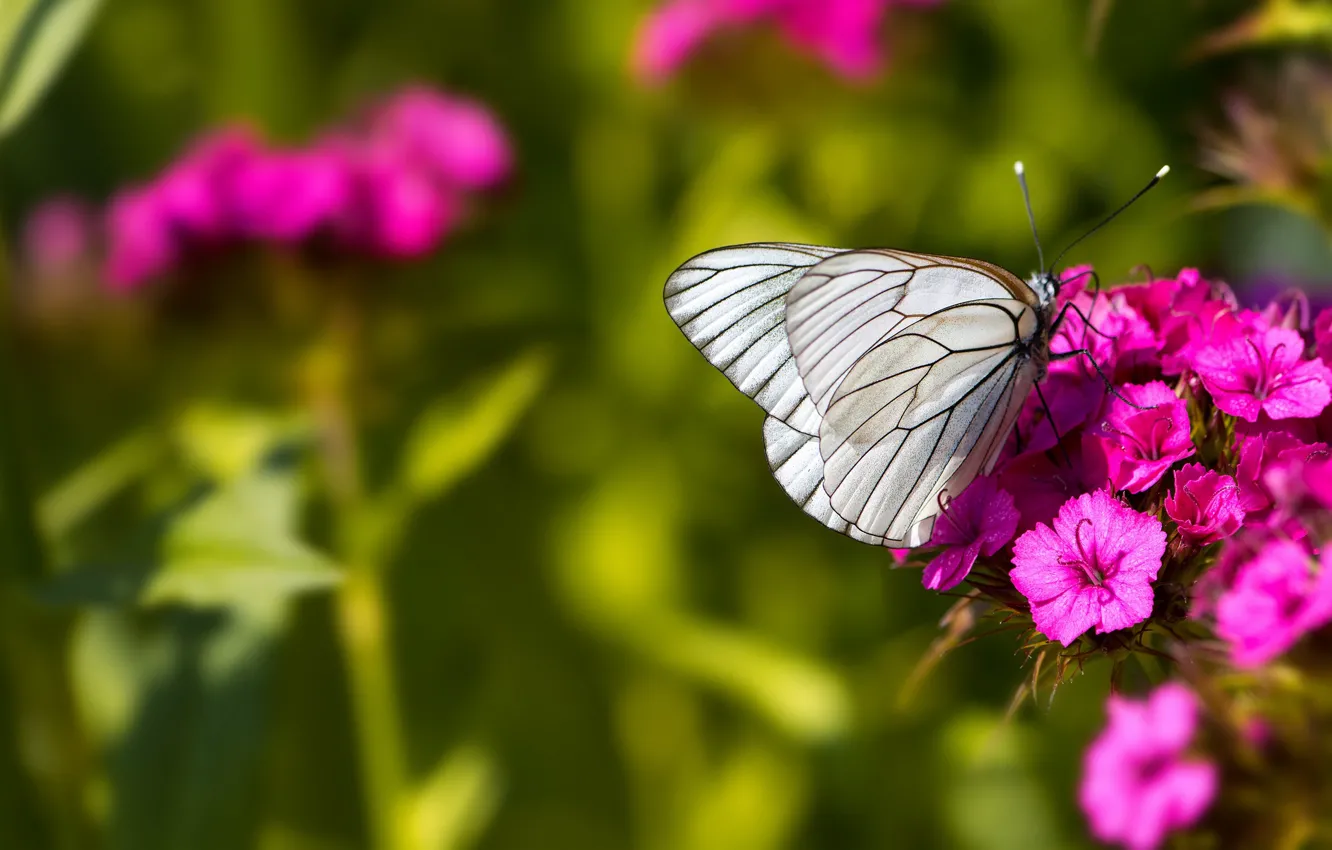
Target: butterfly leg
{"type": "Point", "coordinates": [1068, 355]}
{"type": "Point", "coordinates": [1049, 417]}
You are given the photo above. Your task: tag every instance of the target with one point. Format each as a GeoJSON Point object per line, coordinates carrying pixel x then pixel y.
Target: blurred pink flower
{"type": "Point", "coordinates": [1263, 371]}
{"type": "Point", "coordinates": [392, 187]}
{"type": "Point", "coordinates": [980, 521]}
{"type": "Point", "coordinates": [456, 141]}
{"type": "Point", "coordinates": [1138, 783]}
{"type": "Point", "coordinates": [1323, 335]}
{"type": "Point", "coordinates": [1205, 504]}
{"type": "Point", "coordinates": [287, 196]}
{"type": "Point", "coordinates": [1273, 601]}
{"type": "Point", "coordinates": [1095, 567]}
{"type": "Point", "coordinates": [58, 235]}
{"type": "Point", "coordinates": [1073, 397]}
{"type": "Point", "coordinates": [845, 34]}
{"type": "Point", "coordinates": [1259, 456]}
{"type": "Point", "coordinates": [1142, 444]}
{"type": "Point", "coordinates": [139, 238]}
{"type": "Point", "coordinates": [399, 212]}
{"type": "Point", "coordinates": [195, 192]}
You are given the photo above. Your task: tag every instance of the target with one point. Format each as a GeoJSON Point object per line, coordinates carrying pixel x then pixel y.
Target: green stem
{"type": "Point", "coordinates": [43, 726]}
{"type": "Point", "coordinates": [362, 610]}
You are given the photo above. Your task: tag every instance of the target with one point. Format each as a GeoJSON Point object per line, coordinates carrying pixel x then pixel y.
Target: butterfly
{"type": "Point", "coordinates": [891, 379]}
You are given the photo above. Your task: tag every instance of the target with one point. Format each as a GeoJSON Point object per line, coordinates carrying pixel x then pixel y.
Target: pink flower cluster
{"type": "Point", "coordinates": [842, 33]}
{"type": "Point", "coordinates": [391, 184]}
{"type": "Point", "coordinates": [1181, 506]}
{"type": "Point", "coordinates": [1111, 498]}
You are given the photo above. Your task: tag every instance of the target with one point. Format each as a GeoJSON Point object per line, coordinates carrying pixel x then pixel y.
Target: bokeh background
{"type": "Point", "coordinates": [568, 607]}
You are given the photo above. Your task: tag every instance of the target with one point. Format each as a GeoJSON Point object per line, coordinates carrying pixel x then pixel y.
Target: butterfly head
{"type": "Point", "coordinates": [1045, 285]}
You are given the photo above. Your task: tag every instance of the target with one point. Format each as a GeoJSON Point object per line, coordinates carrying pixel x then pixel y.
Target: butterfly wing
{"type": "Point", "coordinates": [731, 304]}
{"type": "Point", "coordinates": [806, 330]}
{"type": "Point", "coordinates": [921, 414]}
{"type": "Point", "coordinates": [916, 364]}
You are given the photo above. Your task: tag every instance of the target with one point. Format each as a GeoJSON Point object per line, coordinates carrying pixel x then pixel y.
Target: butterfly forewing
{"type": "Point", "coordinates": [731, 304]}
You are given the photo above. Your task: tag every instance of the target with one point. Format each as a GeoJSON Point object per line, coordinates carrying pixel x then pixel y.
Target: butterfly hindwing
{"type": "Point", "coordinates": [907, 427]}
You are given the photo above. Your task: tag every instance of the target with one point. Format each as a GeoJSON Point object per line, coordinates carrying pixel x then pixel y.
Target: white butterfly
{"type": "Point", "coordinates": [891, 379]}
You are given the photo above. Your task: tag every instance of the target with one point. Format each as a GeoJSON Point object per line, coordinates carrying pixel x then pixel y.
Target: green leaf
{"type": "Point", "coordinates": [37, 37]}
{"type": "Point", "coordinates": [234, 545]}
{"type": "Point", "coordinates": [458, 433]}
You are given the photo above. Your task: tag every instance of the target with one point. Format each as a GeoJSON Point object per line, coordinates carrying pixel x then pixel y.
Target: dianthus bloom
{"type": "Point", "coordinates": [1205, 504]}
{"type": "Point", "coordinates": [980, 521]}
{"type": "Point", "coordinates": [1094, 568]}
{"type": "Point", "coordinates": [392, 185]}
{"type": "Point", "coordinates": [1138, 783]}
{"type": "Point", "coordinates": [1142, 444]}
{"type": "Point", "coordinates": [1272, 601]}
{"type": "Point", "coordinates": [1264, 371]}
{"type": "Point", "coordinates": [843, 33]}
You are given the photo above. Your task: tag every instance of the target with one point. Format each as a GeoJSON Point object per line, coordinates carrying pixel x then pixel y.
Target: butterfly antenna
{"type": "Point", "coordinates": [1165, 169]}
{"type": "Point", "coordinates": [1031, 217]}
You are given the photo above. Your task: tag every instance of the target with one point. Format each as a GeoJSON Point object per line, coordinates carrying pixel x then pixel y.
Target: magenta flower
{"type": "Point", "coordinates": [195, 192]}
{"type": "Point", "coordinates": [1273, 601]}
{"type": "Point", "coordinates": [451, 139]}
{"type": "Point", "coordinates": [1323, 335]}
{"type": "Point", "coordinates": [1264, 372]}
{"type": "Point", "coordinates": [1205, 505]}
{"type": "Point", "coordinates": [1142, 444]}
{"type": "Point", "coordinates": [1265, 463]}
{"type": "Point", "coordinates": [843, 33]}
{"type": "Point", "coordinates": [1138, 783]}
{"type": "Point", "coordinates": [140, 240]}
{"type": "Point", "coordinates": [399, 212]}
{"type": "Point", "coordinates": [288, 196]}
{"type": "Point", "coordinates": [1094, 568]}
{"type": "Point", "coordinates": [980, 521]}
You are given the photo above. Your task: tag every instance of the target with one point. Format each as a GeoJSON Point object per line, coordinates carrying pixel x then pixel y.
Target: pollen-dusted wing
{"type": "Point", "coordinates": [891, 379]}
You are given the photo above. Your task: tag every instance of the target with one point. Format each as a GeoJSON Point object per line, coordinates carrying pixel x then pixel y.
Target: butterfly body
{"type": "Point", "coordinates": [891, 379]}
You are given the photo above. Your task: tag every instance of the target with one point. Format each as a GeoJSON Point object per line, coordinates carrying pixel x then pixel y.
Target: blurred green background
{"type": "Point", "coordinates": [570, 608]}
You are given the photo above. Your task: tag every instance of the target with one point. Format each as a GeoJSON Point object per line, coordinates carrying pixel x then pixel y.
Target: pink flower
{"type": "Point", "coordinates": [1273, 601]}
{"type": "Point", "coordinates": [195, 191]}
{"type": "Point", "coordinates": [843, 33]}
{"type": "Point", "coordinates": [671, 34]}
{"type": "Point", "coordinates": [58, 236]}
{"type": "Point", "coordinates": [1116, 336]}
{"type": "Point", "coordinates": [1143, 444]}
{"type": "Point", "coordinates": [980, 521]}
{"type": "Point", "coordinates": [1094, 568]}
{"type": "Point", "coordinates": [1205, 504]}
{"type": "Point", "coordinates": [1263, 372]}
{"type": "Point", "coordinates": [398, 211]}
{"type": "Point", "coordinates": [140, 242]}
{"type": "Point", "coordinates": [1264, 460]}
{"type": "Point", "coordinates": [1138, 784]}
{"type": "Point", "coordinates": [1323, 335]}
{"type": "Point", "coordinates": [287, 196]}
{"type": "Point", "coordinates": [454, 140]}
